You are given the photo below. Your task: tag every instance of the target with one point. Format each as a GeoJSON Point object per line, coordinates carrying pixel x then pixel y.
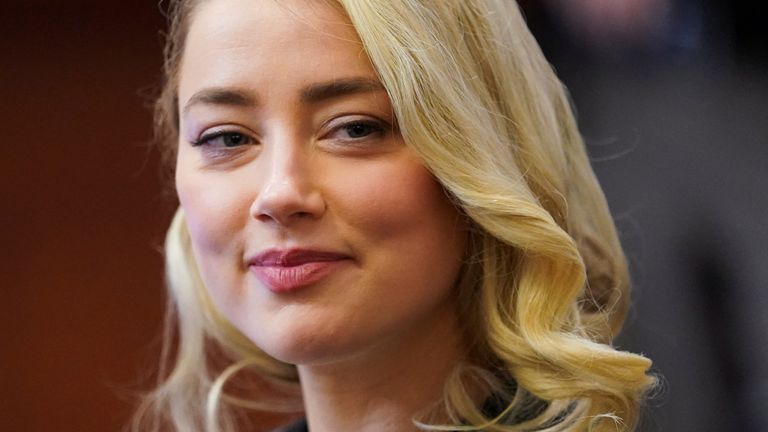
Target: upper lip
{"type": "Point", "coordinates": [293, 257]}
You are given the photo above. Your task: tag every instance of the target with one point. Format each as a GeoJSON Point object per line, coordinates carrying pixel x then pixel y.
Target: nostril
{"type": "Point", "coordinates": [284, 218]}
{"type": "Point", "coordinates": [264, 217]}
{"type": "Point", "coordinates": [287, 197]}
{"type": "Point", "coordinates": [282, 211]}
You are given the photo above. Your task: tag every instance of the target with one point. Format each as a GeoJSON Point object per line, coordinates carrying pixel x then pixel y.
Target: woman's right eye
{"type": "Point", "coordinates": [226, 139]}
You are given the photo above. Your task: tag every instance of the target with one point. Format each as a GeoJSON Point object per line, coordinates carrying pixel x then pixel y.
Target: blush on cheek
{"type": "Point", "coordinates": [215, 210]}
{"type": "Point", "coordinates": [218, 258]}
{"type": "Point", "coordinates": [388, 199]}
{"type": "Point", "coordinates": [198, 220]}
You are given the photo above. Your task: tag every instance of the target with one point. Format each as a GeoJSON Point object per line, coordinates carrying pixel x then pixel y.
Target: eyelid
{"type": "Point", "coordinates": [338, 123]}
{"type": "Point", "coordinates": [346, 119]}
{"type": "Point", "coordinates": [220, 131]}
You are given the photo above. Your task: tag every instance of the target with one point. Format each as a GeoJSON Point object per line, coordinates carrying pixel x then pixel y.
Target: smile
{"type": "Point", "coordinates": [290, 270]}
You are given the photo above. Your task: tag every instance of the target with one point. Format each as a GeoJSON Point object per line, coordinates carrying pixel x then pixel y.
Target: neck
{"type": "Point", "coordinates": [383, 388]}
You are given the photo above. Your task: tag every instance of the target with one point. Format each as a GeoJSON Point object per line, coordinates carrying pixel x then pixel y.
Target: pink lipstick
{"type": "Point", "coordinates": [290, 270]}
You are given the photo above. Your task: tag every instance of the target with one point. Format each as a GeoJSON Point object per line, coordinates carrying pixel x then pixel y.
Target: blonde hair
{"type": "Point", "coordinates": [545, 285]}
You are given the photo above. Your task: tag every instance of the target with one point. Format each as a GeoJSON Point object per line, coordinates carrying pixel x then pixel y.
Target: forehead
{"type": "Point", "coordinates": [249, 42]}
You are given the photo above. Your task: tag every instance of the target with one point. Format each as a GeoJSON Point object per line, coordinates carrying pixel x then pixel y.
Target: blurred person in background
{"type": "Point", "coordinates": [671, 97]}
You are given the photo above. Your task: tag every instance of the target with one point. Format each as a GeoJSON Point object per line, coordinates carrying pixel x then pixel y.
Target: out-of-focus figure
{"type": "Point", "coordinates": [601, 22]}
{"type": "Point", "coordinates": [671, 95]}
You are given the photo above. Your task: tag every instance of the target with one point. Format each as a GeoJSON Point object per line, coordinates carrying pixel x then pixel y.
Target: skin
{"type": "Point", "coordinates": [320, 169]}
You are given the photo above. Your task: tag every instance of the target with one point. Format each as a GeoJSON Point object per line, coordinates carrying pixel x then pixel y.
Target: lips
{"type": "Point", "coordinates": [290, 270]}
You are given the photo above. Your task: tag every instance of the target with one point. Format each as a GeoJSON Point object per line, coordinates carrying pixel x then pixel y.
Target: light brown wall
{"type": "Point", "coordinates": [82, 214]}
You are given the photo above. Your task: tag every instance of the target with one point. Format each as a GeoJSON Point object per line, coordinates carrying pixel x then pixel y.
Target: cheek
{"type": "Point", "coordinates": [213, 205]}
{"type": "Point", "coordinates": [403, 215]}
{"type": "Point", "coordinates": [393, 199]}
{"type": "Point", "coordinates": [216, 209]}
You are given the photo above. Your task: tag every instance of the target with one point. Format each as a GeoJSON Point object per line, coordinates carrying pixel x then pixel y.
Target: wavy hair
{"type": "Point", "coordinates": [545, 285]}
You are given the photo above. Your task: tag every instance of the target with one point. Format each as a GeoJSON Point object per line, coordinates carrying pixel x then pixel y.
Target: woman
{"type": "Point", "coordinates": [387, 221]}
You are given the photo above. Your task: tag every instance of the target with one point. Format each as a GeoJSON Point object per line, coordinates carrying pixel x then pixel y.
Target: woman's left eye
{"type": "Point", "coordinates": [224, 139]}
{"type": "Point", "coordinates": [358, 130]}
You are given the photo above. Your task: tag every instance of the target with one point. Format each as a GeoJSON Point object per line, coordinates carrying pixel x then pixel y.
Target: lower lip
{"type": "Point", "coordinates": [287, 279]}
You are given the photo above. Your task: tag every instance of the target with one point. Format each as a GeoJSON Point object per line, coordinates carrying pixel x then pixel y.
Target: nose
{"type": "Point", "coordinates": [288, 193]}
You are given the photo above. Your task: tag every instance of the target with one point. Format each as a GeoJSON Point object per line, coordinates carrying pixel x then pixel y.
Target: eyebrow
{"type": "Point", "coordinates": [333, 89]}
{"type": "Point", "coordinates": [315, 93]}
{"type": "Point", "coordinates": [221, 96]}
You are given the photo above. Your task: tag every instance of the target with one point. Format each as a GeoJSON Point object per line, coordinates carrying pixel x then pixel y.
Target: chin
{"type": "Point", "coordinates": [305, 344]}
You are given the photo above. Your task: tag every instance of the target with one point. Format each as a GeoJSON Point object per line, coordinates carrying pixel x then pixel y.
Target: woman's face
{"type": "Point", "coordinates": [317, 231]}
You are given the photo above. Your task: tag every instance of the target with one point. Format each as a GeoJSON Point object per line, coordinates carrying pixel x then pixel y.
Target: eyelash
{"type": "Point", "coordinates": [207, 139]}
{"type": "Point", "coordinates": [375, 129]}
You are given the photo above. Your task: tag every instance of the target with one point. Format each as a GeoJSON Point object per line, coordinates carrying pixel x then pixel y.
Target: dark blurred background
{"type": "Point", "coordinates": [672, 97]}
{"type": "Point", "coordinates": [82, 214]}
